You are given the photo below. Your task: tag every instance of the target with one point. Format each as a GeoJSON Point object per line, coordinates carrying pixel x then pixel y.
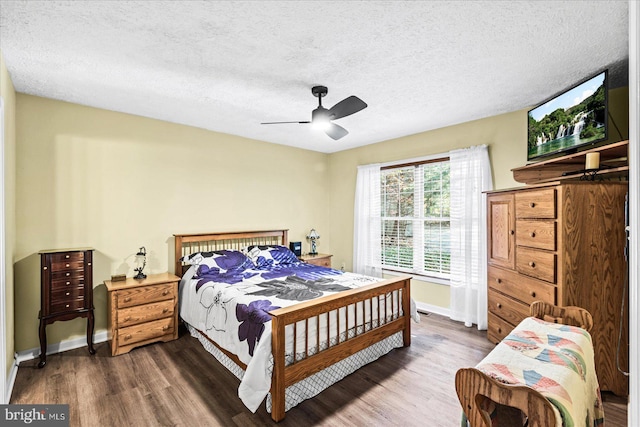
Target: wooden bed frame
{"type": "Point", "coordinates": [473, 386]}
{"type": "Point", "coordinates": [286, 375]}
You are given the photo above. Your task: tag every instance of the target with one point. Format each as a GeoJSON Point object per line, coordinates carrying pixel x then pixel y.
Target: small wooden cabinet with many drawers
{"type": "Point", "coordinates": [142, 311]}
{"type": "Point", "coordinates": [562, 243]}
{"type": "Point", "coordinates": [66, 282]}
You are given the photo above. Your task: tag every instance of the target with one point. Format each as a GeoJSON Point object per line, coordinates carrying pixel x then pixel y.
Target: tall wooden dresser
{"type": "Point", "coordinates": [563, 243]}
{"type": "Point", "coordinates": [66, 281]}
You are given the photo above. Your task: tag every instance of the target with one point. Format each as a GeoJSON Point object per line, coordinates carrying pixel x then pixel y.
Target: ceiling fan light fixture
{"type": "Point", "coordinates": [320, 119]}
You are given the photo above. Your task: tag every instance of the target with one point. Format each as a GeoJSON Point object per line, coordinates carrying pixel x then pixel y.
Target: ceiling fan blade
{"type": "Point", "coordinates": [346, 107]}
{"type": "Point", "coordinates": [336, 132]}
{"type": "Point", "coordinates": [278, 123]}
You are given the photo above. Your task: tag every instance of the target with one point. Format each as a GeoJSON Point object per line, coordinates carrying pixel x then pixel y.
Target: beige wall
{"type": "Point", "coordinates": [115, 182]}
{"type": "Point", "coordinates": [9, 95]}
{"type": "Point", "coordinates": [506, 136]}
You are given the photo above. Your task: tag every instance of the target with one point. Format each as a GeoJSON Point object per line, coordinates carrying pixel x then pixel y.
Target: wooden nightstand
{"type": "Point", "coordinates": [142, 311]}
{"type": "Point", "coordinates": [323, 260]}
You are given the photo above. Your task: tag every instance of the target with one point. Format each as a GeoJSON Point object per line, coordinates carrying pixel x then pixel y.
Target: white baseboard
{"type": "Point", "coordinates": [11, 380]}
{"type": "Point", "coordinates": [428, 308]}
{"type": "Point", "coordinates": [66, 345]}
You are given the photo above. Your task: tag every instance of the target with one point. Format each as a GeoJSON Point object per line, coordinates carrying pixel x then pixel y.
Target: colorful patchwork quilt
{"type": "Point", "coordinates": [227, 295]}
{"type": "Point", "coordinates": [556, 360]}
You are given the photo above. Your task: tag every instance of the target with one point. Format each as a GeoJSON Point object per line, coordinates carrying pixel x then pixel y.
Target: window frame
{"type": "Point", "coordinates": [423, 275]}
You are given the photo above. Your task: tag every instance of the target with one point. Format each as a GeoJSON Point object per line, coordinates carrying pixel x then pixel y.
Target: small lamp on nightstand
{"type": "Point", "coordinates": [141, 262]}
{"type": "Point", "coordinates": [313, 236]}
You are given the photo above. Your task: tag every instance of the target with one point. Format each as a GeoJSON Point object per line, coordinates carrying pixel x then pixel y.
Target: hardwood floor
{"type": "Point", "coordinates": [180, 384]}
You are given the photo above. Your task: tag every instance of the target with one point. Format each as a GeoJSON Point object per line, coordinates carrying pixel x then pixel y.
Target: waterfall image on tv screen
{"type": "Point", "coordinates": [575, 118]}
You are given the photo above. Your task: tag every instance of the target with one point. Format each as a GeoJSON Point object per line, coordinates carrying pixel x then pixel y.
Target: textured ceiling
{"type": "Point", "coordinates": [227, 66]}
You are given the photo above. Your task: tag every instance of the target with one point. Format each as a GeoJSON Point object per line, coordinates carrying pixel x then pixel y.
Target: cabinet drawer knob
{"type": "Point", "coordinates": [532, 205]}
{"type": "Point", "coordinates": [68, 293]}
{"type": "Point", "coordinates": [126, 319]}
{"type": "Point", "coordinates": [166, 310]}
{"type": "Point", "coordinates": [165, 328]}
{"type": "Point", "coordinates": [499, 330]}
{"type": "Point", "coordinates": [165, 293]}
{"type": "Point", "coordinates": [127, 299]}
{"type": "Point", "coordinates": [66, 256]}
{"type": "Point", "coordinates": [67, 265]}
{"type": "Point", "coordinates": [512, 232]}
{"type": "Point", "coordinates": [67, 306]}
{"type": "Point", "coordinates": [499, 305]}
{"type": "Point", "coordinates": [68, 274]}
{"type": "Point", "coordinates": [532, 264]}
{"type": "Point", "coordinates": [127, 337]}
{"type": "Point", "coordinates": [533, 294]}
{"type": "Point", "coordinates": [532, 234]}
{"type": "Point", "coordinates": [44, 268]}
{"type": "Point", "coordinates": [68, 283]}
{"type": "Point", "coordinates": [498, 280]}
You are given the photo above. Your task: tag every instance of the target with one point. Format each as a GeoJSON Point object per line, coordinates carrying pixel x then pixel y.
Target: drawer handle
{"type": "Point", "coordinates": [127, 337]}
{"type": "Point", "coordinates": [166, 310]}
{"type": "Point", "coordinates": [533, 234]}
{"type": "Point", "coordinates": [499, 305]}
{"type": "Point", "coordinates": [533, 205]}
{"type": "Point", "coordinates": [126, 319]}
{"type": "Point", "coordinates": [68, 283]}
{"type": "Point", "coordinates": [165, 293]}
{"type": "Point", "coordinates": [512, 232]}
{"type": "Point", "coordinates": [165, 328]}
{"type": "Point", "coordinates": [127, 299]}
{"type": "Point", "coordinates": [68, 293]}
{"type": "Point", "coordinates": [532, 293]}
{"type": "Point", "coordinates": [66, 256]}
{"type": "Point", "coordinates": [499, 330]}
{"type": "Point", "coordinates": [44, 268]}
{"type": "Point", "coordinates": [532, 264]}
{"type": "Point", "coordinates": [67, 265]}
{"type": "Point", "coordinates": [66, 306]}
{"type": "Point", "coordinates": [499, 280]}
{"type": "Point", "coordinates": [68, 274]}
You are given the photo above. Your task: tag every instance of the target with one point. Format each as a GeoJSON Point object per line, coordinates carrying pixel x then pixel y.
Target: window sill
{"type": "Point", "coordinates": [419, 277]}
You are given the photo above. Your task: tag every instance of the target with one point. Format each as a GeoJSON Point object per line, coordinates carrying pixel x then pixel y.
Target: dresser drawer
{"type": "Point", "coordinates": [69, 294]}
{"type": "Point", "coordinates": [536, 204]}
{"type": "Point", "coordinates": [536, 234]}
{"type": "Point", "coordinates": [536, 263]}
{"type": "Point", "coordinates": [498, 328]}
{"type": "Point", "coordinates": [145, 331]}
{"type": "Point", "coordinates": [67, 305]}
{"type": "Point", "coordinates": [71, 282]}
{"type": "Point", "coordinates": [67, 274]}
{"type": "Point", "coordinates": [523, 288]}
{"type": "Point", "coordinates": [145, 313]}
{"type": "Point", "coordinates": [510, 310]}
{"type": "Point", "coordinates": [145, 294]}
{"type": "Point", "coordinates": [67, 256]}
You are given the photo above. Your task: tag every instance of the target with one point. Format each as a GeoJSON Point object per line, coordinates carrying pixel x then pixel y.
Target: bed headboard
{"type": "Point", "coordinates": [187, 244]}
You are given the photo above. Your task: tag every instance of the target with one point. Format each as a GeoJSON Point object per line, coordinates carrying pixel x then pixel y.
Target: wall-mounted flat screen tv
{"type": "Point", "coordinates": [572, 120]}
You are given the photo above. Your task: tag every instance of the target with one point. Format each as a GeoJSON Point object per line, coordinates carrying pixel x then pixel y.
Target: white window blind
{"type": "Point", "coordinates": [415, 218]}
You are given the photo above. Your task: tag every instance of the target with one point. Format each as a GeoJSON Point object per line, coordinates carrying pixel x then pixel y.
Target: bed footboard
{"type": "Point", "coordinates": [385, 308]}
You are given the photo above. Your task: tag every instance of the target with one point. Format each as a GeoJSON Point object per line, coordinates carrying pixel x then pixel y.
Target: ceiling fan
{"type": "Point", "coordinates": [322, 118]}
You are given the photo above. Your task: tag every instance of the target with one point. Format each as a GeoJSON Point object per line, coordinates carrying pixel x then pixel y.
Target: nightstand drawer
{"type": "Point", "coordinates": [145, 331]}
{"type": "Point", "coordinates": [146, 294]}
{"type": "Point", "coordinates": [145, 313]}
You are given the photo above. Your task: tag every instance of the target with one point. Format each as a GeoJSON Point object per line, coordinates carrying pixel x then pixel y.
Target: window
{"type": "Point", "coordinates": [415, 218]}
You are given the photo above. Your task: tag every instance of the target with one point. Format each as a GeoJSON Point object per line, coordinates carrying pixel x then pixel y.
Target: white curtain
{"type": "Point", "coordinates": [367, 249]}
{"type": "Point", "coordinates": [470, 176]}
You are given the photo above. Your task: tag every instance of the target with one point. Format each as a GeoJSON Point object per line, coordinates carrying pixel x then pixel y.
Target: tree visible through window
{"type": "Point", "coordinates": [415, 218]}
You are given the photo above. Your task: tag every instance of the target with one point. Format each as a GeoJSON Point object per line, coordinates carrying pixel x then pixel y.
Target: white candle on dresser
{"type": "Point", "coordinates": [592, 161]}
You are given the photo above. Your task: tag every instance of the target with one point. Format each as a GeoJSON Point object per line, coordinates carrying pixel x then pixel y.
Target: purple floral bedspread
{"type": "Point", "coordinates": [231, 306]}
